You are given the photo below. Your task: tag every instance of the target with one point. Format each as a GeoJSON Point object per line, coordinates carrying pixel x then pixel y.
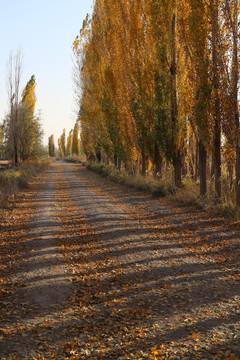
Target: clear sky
{"type": "Point", "coordinates": [44, 31]}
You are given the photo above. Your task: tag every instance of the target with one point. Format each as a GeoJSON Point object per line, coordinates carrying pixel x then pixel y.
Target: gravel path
{"type": "Point", "coordinates": [110, 273]}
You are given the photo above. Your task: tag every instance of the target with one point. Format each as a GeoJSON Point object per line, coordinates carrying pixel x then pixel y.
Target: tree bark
{"type": "Point", "coordinates": [143, 163]}
{"type": "Point", "coordinates": [15, 153]}
{"type": "Point", "coordinates": [197, 172]}
{"type": "Point", "coordinates": [98, 155]}
{"type": "Point", "coordinates": [214, 4]}
{"type": "Point", "coordinates": [174, 103]}
{"type": "Point", "coordinates": [230, 176]}
{"type": "Point", "coordinates": [119, 166]}
{"type": "Point", "coordinates": [235, 79]}
{"type": "Point", "coordinates": [238, 172]}
{"type": "Point", "coordinates": [212, 167]}
{"type": "Point", "coordinates": [203, 168]}
{"type": "Point", "coordinates": [184, 164]}
{"type": "Point", "coordinates": [115, 161]}
{"type": "Point", "coordinates": [217, 159]}
{"type": "Point", "coordinates": [158, 162]}
{"type": "Point", "coordinates": [177, 163]}
{"type": "Point", "coordinates": [14, 115]}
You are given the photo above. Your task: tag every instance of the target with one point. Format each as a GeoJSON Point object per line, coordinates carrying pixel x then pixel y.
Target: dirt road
{"type": "Point", "coordinates": [96, 271]}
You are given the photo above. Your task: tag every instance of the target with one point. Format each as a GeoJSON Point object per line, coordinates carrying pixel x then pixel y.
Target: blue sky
{"type": "Point", "coordinates": [43, 30]}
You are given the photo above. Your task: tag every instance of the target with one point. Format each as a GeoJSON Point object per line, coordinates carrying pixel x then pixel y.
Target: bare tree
{"type": "Point", "coordinates": [14, 72]}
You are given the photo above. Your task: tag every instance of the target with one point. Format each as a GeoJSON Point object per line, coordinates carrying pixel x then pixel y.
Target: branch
{"type": "Point", "coordinates": [229, 15]}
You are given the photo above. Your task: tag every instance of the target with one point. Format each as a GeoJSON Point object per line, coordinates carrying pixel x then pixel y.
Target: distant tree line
{"type": "Point", "coordinates": [69, 146]}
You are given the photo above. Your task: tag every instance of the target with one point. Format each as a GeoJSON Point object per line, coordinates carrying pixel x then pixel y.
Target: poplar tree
{"type": "Point", "coordinates": [75, 143]}
{"type": "Point", "coordinates": [69, 143]}
{"type": "Point", "coordinates": [232, 20]}
{"type": "Point", "coordinates": [29, 128]}
{"type": "Point", "coordinates": [62, 144]}
{"type": "Point", "coordinates": [200, 56]}
{"type": "Point", "coordinates": [51, 146]}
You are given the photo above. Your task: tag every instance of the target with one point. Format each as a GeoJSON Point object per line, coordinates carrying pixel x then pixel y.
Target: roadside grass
{"type": "Point", "coordinates": [74, 159]}
{"type": "Point", "coordinates": [187, 195]}
{"type": "Point", "coordinates": [156, 187]}
{"type": "Point", "coordinates": [16, 178]}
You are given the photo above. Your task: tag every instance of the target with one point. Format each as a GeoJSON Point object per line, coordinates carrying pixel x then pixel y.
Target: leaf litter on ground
{"type": "Point", "coordinates": [163, 285]}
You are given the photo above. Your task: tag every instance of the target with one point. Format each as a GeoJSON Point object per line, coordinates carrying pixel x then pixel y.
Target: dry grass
{"type": "Point", "coordinates": [15, 178]}
{"type": "Point", "coordinates": [75, 159]}
{"type": "Point", "coordinates": [187, 195]}
{"type": "Point", "coordinates": [156, 187]}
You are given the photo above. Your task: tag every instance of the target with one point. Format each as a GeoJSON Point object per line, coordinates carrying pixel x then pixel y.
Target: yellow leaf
{"type": "Point", "coordinates": [194, 336]}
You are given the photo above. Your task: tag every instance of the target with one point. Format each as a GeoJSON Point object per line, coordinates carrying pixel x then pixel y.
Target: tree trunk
{"type": "Point", "coordinates": [91, 158]}
{"type": "Point", "coordinates": [214, 4]}
{"type": "Point", "coordinates": [115, 161]}
{"type": "Point", "coordinates": [235, 79]}
{"type": "Point", "coordinates": [197, 161]}
{"type": "Point", "coordinates": [230, 176]}
{"type": "Point", "coordinates": [191, 169]}
{"type": "Point", "coordinates": [119, 166]}
{"type": "Point", "coordinates": [177, 163]}
{"type": "Point", "coordinates": [212, 167]}
{"type": "Point", "coordinates": [238, 172]}
{"type": "Point", "coordinates": [15, 137]}
{"type": "Point", "coordinates": [174, 103]}
{"type": "Point", "coordinates": [203, 168]}
{"type": "Point", "coordinates": [217, 159]}
{"type": "Point", "coordinates": [184, 164]}
{"type": "Point", "coordinates": [98, 155]}
{"type": "Point", "coordinates": [158, 163]}
{"type": "Point", "coordinates": [143, 163]}
{"type": "Point", "coordinates": [15, 151]}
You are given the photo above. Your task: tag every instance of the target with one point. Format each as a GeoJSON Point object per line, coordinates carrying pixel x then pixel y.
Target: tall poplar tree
{"type": "Point", "coordinates": [51, 146]}
{"type": "Point", "coordinates": [200, 56]}
{"type": "Point", "coordinates": [215, 47]}
{"type": "Point", "coordinates": [233, 18]}
{"type": "Point", "coordinates": [29, 128]}
{"type": "Point", "coordinates": [75, 142]}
